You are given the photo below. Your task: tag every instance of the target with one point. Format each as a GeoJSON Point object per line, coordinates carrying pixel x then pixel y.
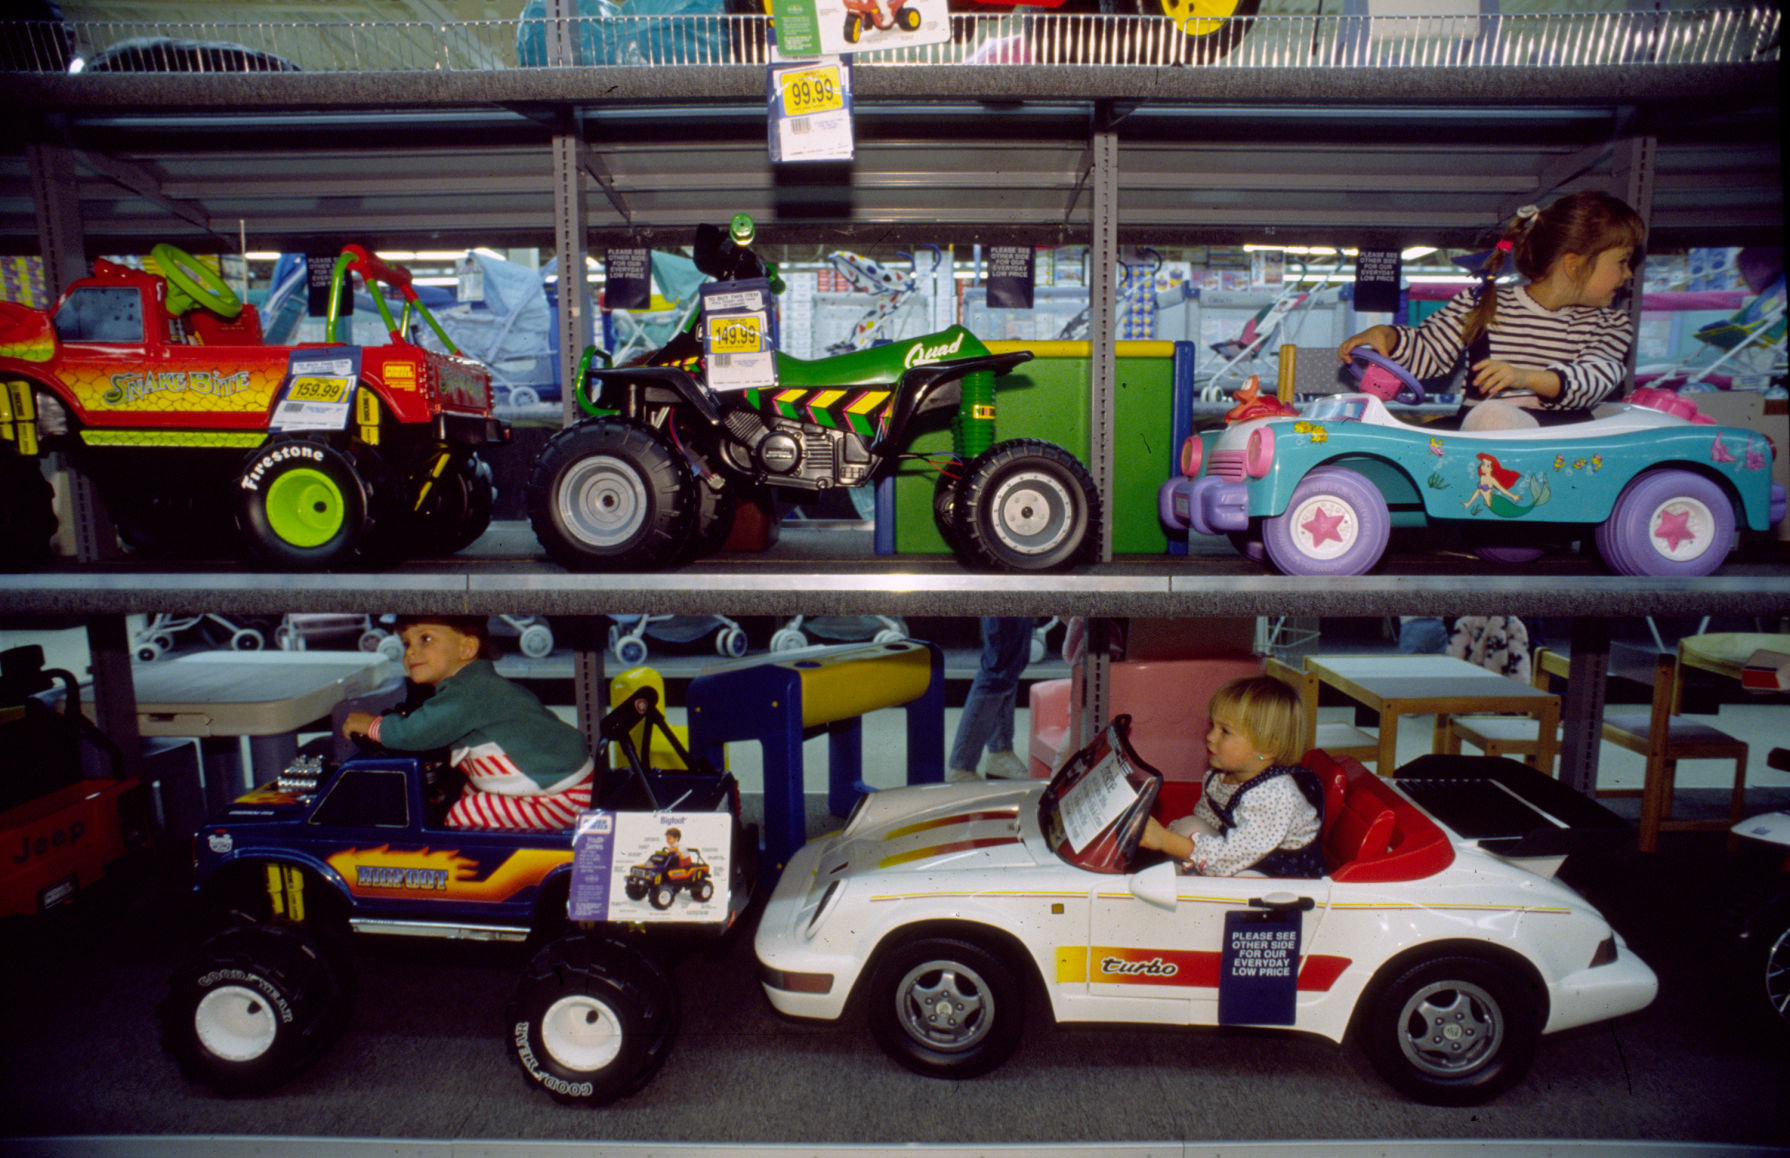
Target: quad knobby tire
{"type": "Point", "coordinates": [305, 503]}
{"type": "Point", "coordinates": [946, 1007]}
{"type": "Point", "coordinates": [592, 1020]}
{"type": "Point", "coordinates": [1451, 1031]}
{"type": "Point", "coordinates": [716, 507]}
{"type": "Point", "coordinates": [255, 1005]}
{"type": "Point", "coordinates": [27, 510]}
{"type": "Point", "coordinates": [611, 495]}
{"type": "Point", "coordinates": [1025, 505]}
{"type": "Point", "coordinates": [944, 506]}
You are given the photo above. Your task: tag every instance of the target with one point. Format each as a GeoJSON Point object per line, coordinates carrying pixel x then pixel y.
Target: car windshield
{"type": "Point", "coordinates": [1336, 408]}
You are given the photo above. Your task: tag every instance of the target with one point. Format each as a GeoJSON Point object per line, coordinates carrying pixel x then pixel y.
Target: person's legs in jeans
{"type": "Point", "coordinates": [988, 710]}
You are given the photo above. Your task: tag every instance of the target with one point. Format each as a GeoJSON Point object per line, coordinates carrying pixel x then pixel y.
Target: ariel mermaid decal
{"type": "Point", "coordinates": [1495, 488]}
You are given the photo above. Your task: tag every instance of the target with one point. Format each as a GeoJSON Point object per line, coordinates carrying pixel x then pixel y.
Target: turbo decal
{"type": "Point", "coordinates": [1175, 968]}
{"type": "Point", "coordinates": [946, 849]}
{"type": "Point", "coordinates": [1182, 968]}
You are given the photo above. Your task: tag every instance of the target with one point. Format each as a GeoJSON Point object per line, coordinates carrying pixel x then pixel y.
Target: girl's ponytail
{"type": "Point", "coordinates": [1479, 319]}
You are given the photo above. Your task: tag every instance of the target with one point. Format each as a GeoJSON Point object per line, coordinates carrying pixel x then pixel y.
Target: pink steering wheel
{"type": "Point", "coordinates": [1384, 378]}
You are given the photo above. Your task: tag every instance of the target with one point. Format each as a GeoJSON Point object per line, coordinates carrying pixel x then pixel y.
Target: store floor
{"type": "Point", "coordinates": [424, 1063]}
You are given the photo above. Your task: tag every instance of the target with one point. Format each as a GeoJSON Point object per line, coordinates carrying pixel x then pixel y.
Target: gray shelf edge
{"type": "Point", "coordinates": [1604, 86]}
{"type": "Point", "coordinates": [1160, 593]}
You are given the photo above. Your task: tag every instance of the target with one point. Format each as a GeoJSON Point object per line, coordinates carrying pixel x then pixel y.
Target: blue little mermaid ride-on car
{"type": "Point", "coordinates": [1318, 492]}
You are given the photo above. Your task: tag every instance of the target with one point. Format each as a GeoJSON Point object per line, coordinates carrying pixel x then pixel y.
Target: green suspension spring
{"type": "Point", "coordinates": [972, 431]}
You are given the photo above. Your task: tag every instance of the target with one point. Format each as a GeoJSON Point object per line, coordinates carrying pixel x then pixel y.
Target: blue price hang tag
{"type": "Point", "coordinates": [739, 347]}
{"type": "Point", "coordinates": [810, 105]}
{"type": "Point", "coordinates": [318, 393]}
{"type": "Point", "coordinates": [1258, 975]}
{"type": "Point", "coordinates": [593, 852]}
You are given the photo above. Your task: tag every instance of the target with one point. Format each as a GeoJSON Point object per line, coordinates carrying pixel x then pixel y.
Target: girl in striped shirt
{"type": "Point", "coordinates": [1542, 353]}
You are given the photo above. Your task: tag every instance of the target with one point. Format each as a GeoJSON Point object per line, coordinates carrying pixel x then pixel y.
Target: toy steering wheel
{"type": "Point", "coordinates": [192, 283]}
{"type": "Point", "coordinates": [1384, 378]}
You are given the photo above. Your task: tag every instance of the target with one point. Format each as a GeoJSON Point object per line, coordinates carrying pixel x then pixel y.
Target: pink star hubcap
{"type": "Point", "coordinates": [1323, 526]}
{"type": "Point", "coordinates": [1681, 529]}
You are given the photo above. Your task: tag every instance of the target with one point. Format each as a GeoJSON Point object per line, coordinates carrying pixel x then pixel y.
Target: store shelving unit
{"type": "Point", "coordinates": [1311, 130]}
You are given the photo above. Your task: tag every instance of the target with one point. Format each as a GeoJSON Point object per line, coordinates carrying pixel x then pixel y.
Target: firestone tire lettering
{"type": "Point", "coordinates": [306, 504]}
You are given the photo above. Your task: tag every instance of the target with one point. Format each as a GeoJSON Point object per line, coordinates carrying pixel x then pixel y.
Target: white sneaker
{"type": "Point", "coordinates": [960, 775]}
{"type": "Point", "coordinates": [1005, 766]}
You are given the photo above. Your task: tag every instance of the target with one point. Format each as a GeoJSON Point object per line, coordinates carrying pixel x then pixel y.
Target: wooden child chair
{"type": "Point", "coordinates": [1660, 735]}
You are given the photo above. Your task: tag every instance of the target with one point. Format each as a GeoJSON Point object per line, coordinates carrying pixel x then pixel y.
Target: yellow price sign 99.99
{"type": "Point", "coordinates": [812, 90]}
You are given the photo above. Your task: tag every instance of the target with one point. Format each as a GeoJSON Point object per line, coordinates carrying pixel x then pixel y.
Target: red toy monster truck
{"type": "Point", "coordinates": [161, 389]}
{"type": "Point", "coordinates": [667, 871]}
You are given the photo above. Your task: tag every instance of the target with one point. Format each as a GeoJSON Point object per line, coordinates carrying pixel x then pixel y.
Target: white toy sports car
{"type": "Point", "coordinates": [1446, 955]}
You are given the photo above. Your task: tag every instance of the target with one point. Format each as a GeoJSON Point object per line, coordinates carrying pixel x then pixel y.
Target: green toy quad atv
{"type": "Point", "coordinates": [653, 476]}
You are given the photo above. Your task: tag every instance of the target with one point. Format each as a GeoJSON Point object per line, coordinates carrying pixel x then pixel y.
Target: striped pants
{"type": "Point", "coordinates": [556, 810]}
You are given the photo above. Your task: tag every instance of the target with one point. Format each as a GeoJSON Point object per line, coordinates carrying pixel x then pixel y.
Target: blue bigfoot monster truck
{"type": "Point", "coordinates": [299, 868]}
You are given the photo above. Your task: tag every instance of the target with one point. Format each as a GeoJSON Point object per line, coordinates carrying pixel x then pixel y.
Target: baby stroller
{"type": "Point", "coordinates": [794, 635]}
{"type": "Point", "coordinates": [627, 635]}
{"type": "Point", "coordinates": [158, 636]}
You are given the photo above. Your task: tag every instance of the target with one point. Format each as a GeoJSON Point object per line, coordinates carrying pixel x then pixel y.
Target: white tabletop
{"type": "Point", "coordinates": [234, 693]}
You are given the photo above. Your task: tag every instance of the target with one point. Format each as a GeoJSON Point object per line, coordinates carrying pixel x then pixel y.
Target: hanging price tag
{"type": "Point", "coordinates": [318, 392]}
{"type": "Point", "coordinates": [810, 110]}
{"type": "Point", "coordinates": [738, 350]}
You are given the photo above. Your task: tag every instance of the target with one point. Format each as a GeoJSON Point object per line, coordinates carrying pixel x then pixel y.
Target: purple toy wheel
{"type": "Point", "coordinates": [1668, 522]}
{"type": "Point", "coordinates": [1363, 357]}
{"type": "Point", "coordinates": [1336, 523]}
